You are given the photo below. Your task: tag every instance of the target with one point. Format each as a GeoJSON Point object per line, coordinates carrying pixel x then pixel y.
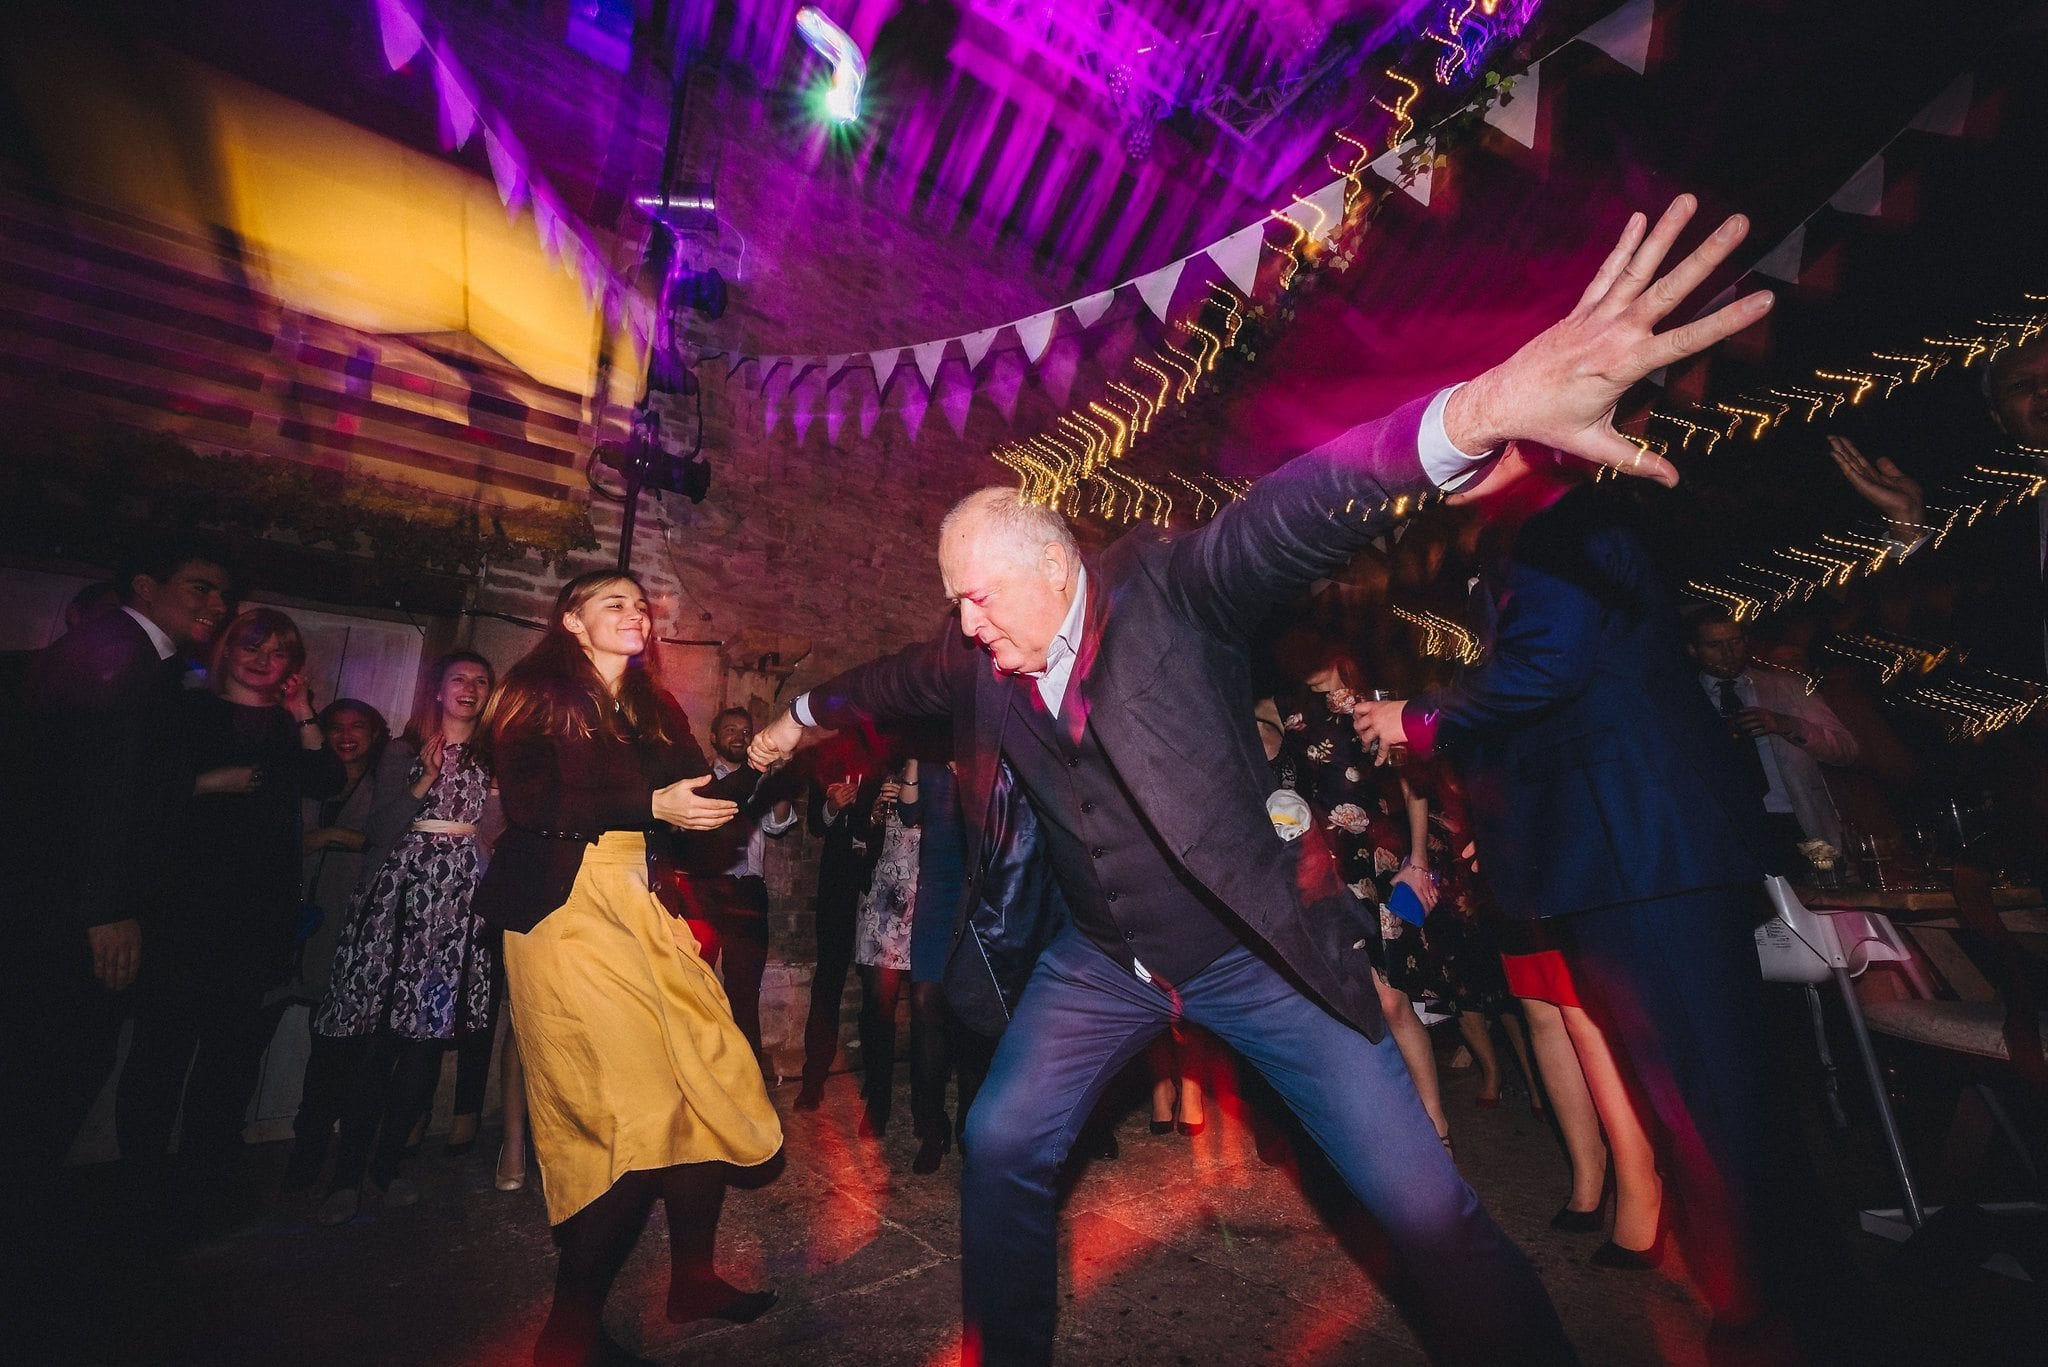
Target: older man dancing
{"type": "Point", "coordinates": [1118, 691]}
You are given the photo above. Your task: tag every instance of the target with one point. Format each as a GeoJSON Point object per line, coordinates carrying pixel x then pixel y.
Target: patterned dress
{"type": "Point", "coordinates": [413, 959]}
{"type": "Point", "coordinates": [1369, 828]}
{"type": "Point", "coordinates": [882, 930]}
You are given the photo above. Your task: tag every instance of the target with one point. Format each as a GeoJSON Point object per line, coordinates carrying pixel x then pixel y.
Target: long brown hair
{"type": "Point", "coordinates": [426, 713]}
{"type": "Point", "coordinates": [555, 690]}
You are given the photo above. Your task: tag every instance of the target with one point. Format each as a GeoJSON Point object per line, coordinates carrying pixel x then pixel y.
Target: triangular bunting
{"type": "Point", "coordinates": [884, 363]}
{"type": "Point", "coordinates": [1156, 289]}
{"type": "Point", "coordinates": [1513, 112]}
{"type": "Point", "coordinates": [1625, 35]}
{"type": "Point", "coordinates": [1388, 167]}
{"type": "Point", "coordinates": [1035, 332]}
{"type": "Point", "coordinates": [976, 345]}
{"type": "Point", "coordinates": [507, 169]}
{"type": "Point", "coordinates": [833, 365]}
{"type": "Point", "coordinates": [401, 33]}
{"type": "Point", "coordinates": [1863, 193]}
{"type": "Point", "coordinates": [547, 224]}
{"type": "Point", "coordinates": [928, 355]}
{"type": "Point", "coordinates": [739, 361]}
{"type": "Point", "coordinates": [1949, 112]}
{"type": "Point", "coordinates": [458, 110]}
{"type": "Point", "coordinates": [767, 366]}
{"type": "Point", "coordinates": [1238, 255]}
{"type": "Point", "coordinates": [1321, 213]}
{"type": "Point", "coordinates": [1093, 307]}
{"type": "Point", "coordinates": [1783, 261]}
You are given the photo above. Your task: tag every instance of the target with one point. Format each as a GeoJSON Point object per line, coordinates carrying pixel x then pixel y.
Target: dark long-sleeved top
{"type": "Point", "coordinates": [563, 792]}
{"type": "Point", "coordinates": [235, 858]}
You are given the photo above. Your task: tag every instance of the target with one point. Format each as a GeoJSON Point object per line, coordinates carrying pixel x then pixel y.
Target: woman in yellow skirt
{"type": "Point", "coordinates": [638, 1083]}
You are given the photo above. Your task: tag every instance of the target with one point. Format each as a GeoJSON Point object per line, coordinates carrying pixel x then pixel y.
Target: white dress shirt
{"type": "Point", "coordinates": [1779, 798]}
{"type": "Point", "coordinates": [749, 864]}
{"type": "Point", "coordinates": [164, 647]}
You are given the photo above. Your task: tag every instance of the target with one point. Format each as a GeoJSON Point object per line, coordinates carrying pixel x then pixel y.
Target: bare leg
{"type": "Point", "coordinates": [512, 1084]}
{"type": "Point", "coordinates": [1473, 1027]}
{"type": "Point", "coordinates": [1191, 1112]}
{"type": "Point", "coordinates": [1413, 1040]}
{"type": "Point", "coordinates": [1570, 1101]}
{"type": "Point", "coordinates": [1638, 1191]}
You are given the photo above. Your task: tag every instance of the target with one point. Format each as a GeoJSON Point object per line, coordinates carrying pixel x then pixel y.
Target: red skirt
{"type": "Point", "coordinates": [1542, 976]}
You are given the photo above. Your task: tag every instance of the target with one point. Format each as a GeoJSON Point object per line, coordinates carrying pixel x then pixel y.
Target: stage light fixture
{"type": "Point", "coordinates": [849, 68]}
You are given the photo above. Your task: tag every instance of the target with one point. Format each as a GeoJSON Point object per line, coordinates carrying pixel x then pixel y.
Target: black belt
{"type": "Point", "coordinates": [578, 836]}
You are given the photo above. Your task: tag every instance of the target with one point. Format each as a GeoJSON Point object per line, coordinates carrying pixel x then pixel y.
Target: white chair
{"type": "Point", "coordinates": [1799, 945]}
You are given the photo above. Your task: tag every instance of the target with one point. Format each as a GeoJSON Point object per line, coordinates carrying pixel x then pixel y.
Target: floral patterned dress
{"type": "Point", "coordinates": [413, 958]}
{"type": "Point", "coordinates": [1369, 828]}
{"type": "Point", "coordinates": [882, 930]}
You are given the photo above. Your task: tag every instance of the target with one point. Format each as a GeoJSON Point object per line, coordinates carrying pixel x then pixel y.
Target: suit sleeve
{"type": "Point", "coordinates": [918, 681]}
{"type": "Point", "coordinates": [1299, 524]}
{"type": "Point", "coordinates": [1545, 645]}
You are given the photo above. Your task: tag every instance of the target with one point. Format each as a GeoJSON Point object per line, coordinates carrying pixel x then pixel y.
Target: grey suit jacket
{"type": "Point", "coordinates": [1166, 680]}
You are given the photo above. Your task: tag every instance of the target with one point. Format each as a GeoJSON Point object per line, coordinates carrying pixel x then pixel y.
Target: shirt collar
{"type": "Point", "coordinates": [164, 648]}
{"type": "Point", "coordinates": [1068, 640]}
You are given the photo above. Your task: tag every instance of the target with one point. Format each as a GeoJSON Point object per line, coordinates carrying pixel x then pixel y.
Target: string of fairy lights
{"type": "Point", "coordinates": [1074, 464]}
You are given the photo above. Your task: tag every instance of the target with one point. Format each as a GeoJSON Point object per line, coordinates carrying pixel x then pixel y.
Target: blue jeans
{"type": "Point", "coordinates": [1084, 1016]}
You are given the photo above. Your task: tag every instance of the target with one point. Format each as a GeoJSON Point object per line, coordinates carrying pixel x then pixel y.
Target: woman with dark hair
{"type": "Point", "coordinates": [412, 973]}
{"type": "Point", "coordinates": [251, 749]}
{"type": "Point", "coordinates": [336, 849]}
{"type": "Point", "coordinates": [639, 1083]}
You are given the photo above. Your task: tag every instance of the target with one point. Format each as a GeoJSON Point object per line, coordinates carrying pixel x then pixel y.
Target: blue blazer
{"type": "Point", "coordinates": [1599, 774]}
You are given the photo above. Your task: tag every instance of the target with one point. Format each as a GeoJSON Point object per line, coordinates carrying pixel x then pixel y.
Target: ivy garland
{"type": "Point", "coordinates": [84, 499]}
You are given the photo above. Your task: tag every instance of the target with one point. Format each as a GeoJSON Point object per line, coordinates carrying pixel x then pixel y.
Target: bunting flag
{"type": "Point", "coordinates": [458, 110]}
{"type": "Point", "coordinates": [547, 224]}
{"type": "Point", "coordinates": [1157, 288]}
{"type": "Point", "coordinates": [1625, 35]}
{"type": "Point", "coordinates": [507, 170]}
{"type": "Point", "coordinates": [833, 365]}
{"type": "Point", "coordinates": [1513, 112]}
{"type": "Point", "coordinates": [1783, 261]}
{"type": "Point", "coordinates": [1035, 332]}
{"type": "Point", "coordinates": [975, 344]}
{"type": "Point", "coordinates": [1238, 255]}
{"type": "Point", "coordinates": [1949, 112]}
{"type": "Point", "coordinates": [1862, 193]}
{"type": "Point", "coordinates": [1093, 307]}
{"type": "Point", "coordinates": [402, 34]}
{"type": "Point", "coordinates": [1321, 213]}
{"type": "Point", "coordinates": [929, 355]}
{"type": "Point", "coordinates": [1387, 166]}
{"type": "Point", "coordinates": [884, 363]}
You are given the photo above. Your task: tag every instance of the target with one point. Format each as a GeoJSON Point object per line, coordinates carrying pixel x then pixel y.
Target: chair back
{"type": "Point", "coordinates": [1795, 945]}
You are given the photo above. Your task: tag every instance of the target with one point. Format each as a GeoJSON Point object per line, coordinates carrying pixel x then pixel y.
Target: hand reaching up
{"type": "Point", "coordinates": [1560, 388]}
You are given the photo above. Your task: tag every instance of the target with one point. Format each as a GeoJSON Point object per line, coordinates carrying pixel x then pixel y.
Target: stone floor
{"type": "Point", "coordinates": [1180, 1251]}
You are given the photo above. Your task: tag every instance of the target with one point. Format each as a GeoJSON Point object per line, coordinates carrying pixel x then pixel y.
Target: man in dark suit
{"type": "Point", "coordinates": [87, 820]}
{"type": "Point", "coordinates": [1612, 802]}
{"type": "Point", "coordinates": [841, 802]}
{"type": "Point", "coordinates": [1119, 691]}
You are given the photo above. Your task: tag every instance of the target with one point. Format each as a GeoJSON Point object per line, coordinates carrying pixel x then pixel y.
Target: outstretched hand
{"type": "Point", "coordinates": [1884, 486]}
{"type": "Point", "coordinates": [1560, 388]}
{"type": "Point", "coordinates": [777, 742]}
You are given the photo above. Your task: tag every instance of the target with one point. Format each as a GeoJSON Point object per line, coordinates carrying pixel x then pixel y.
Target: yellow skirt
{"type": "Point", "coordinates": [632, 1058]}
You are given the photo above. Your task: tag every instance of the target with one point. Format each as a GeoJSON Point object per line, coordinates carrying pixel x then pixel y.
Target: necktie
{"type": "Point", "coordinates": [1731, 704]}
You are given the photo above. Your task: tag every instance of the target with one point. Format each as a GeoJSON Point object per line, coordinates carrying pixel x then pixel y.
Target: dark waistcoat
{"type": "Point", "coordinates": [1125, 890]}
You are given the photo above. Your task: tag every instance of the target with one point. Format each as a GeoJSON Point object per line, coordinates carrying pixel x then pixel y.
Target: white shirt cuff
{"type": "Point", "coordinates": [1446, 466]}
{"type": "Point", "coordinates": [801, 710]}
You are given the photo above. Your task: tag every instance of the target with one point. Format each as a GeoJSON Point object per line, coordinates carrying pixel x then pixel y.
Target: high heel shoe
{"type": "Point", "coordinates": [510, 1181]}
{"type": "Point", "coordinates": [1191, 1128]}
{"type": "Point", "coordinates": [1580, 1221]}
{"type": "Point", "coordinates": [1613, 1255]}
{"type": "Point", "coordinates": [1162, 1127]}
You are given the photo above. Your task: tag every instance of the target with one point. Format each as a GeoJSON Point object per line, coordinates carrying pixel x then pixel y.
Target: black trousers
{"type": "Point", "coordinates": [391, 1083]}
{"type": "Point", "coordinates": [732, 935]}
{"type": "Point", "coordinates": [62, 1030]}
{"type": "Point", "coordinates": [828, 989]}
{"type": "Point", "coordinates": [199, 1007]}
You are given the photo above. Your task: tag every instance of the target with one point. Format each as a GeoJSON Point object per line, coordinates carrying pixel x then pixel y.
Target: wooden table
{"type": "Point", "coordinates": [1914, 904]}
